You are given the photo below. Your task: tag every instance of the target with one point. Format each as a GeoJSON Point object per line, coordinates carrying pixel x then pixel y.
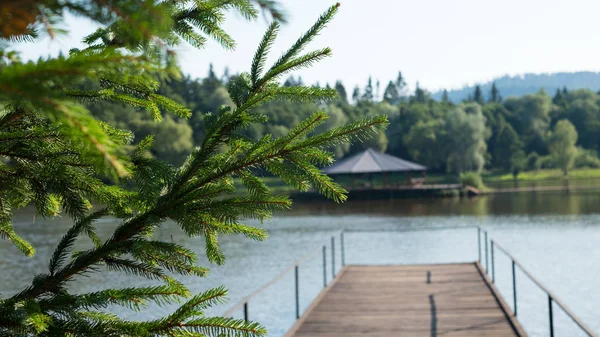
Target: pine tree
{"type": "Point", "coordinates": [445, 98]}
{"type": "Point", "coordinates": [368, 94]}
{"type": "Point", "coordinates": [56, 156]}
{"type": "Point", "coordinates": [420, 95]}
{"type": "Point", "coordinates": [226, 75]}
{"type": "Point", "coordinates": [290, 82]}
{"type": "Point", "coordinates": [391, 94]}
{"type": "Point", "coordinates": [339, 87]}
{"type": "Point", "coordinates": [494, 94]}
{"type": "Point", "coordinates": [211, 81]}
{"type": "Point", "coordinates": [558, 97]}
{"type": "Point", "coordinates": [401, 85]}
{"type": "Point", "coordinates": [478, 95]}
{"type": "Point", "coordinates": [356, 94]}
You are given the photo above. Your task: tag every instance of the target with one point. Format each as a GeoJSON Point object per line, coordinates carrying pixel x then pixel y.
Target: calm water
{"type": "Point", "coordinates": [554, 235]}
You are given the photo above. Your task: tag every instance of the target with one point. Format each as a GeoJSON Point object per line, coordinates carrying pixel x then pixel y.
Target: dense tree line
{"type": "Point", "coordinates": [485, 131]}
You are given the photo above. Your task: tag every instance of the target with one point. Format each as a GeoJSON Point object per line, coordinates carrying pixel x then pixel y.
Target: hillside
{"type": "Point", "coordinates": [530, 83]}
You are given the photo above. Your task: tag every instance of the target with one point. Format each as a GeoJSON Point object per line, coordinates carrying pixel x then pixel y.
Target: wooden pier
{"type": "Point", "coordinates": [447, 300]}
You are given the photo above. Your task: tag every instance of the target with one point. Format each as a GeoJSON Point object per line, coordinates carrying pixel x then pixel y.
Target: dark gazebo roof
{"type": "Point", "coordinates": [371, 161]}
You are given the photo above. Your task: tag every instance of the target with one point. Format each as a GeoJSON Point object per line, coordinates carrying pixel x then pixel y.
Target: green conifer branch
{"type": "Point", "coordinates": [299, 45]}
{"type": "Point", "coordinates": [258, 62]}
{"type": "Point", "coordinates": [197, 195]}
{"type": "Point", "coordinates": [67, 241]}
{"type": "Point", "coordinates": [304, 61]}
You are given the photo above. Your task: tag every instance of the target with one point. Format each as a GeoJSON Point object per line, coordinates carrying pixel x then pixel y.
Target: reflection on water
{"type": "Point", "coordinates": [562, 202]}
{"type": "Point", "coordinates": [554, 235]}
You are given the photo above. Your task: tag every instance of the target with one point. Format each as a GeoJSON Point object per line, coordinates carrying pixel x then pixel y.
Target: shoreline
{"type": "Point", "coordinates": [438, 191]}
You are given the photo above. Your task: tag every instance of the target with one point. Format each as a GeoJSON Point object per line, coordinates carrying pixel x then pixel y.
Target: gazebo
{"type": "Point", "coordinates": [371, 162]}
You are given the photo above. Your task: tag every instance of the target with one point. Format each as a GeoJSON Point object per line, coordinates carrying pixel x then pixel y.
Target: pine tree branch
{"type": "Point", "coordinates": [265, 45]}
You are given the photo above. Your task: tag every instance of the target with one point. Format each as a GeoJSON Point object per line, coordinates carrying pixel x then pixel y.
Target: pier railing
{"type": "Point", "coordinates": [295, 267]}
{"type": "Point", "coordinates": [552, 299]}
{"type": "Point", "coordinates": [487, 254]}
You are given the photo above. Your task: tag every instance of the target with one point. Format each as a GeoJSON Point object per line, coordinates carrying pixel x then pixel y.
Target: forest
{"type": "Point", "coordinates": [484, 132]}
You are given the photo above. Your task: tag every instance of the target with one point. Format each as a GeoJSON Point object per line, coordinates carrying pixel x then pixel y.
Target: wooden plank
{"type": "Point", "coordinates": [408, 300]}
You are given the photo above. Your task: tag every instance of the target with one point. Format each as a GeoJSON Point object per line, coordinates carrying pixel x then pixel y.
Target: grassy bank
{"type": "Point", "coordinates": [545, 175]}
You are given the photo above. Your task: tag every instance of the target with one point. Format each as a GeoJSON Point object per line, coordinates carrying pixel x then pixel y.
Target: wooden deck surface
{"type": "Point", "coordinates": [411, 300]}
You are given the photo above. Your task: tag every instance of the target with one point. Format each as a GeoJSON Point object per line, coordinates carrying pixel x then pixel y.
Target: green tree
{"type": "Point", "coordinates": [466, 136]}
{"type": "Point", "coordinates": [583, 111]}
{"type": "Point", "coordinates": [558, 97]}
{"type": "Point", "coordinates": [562, 147]}
{"type": "Point", "coordinates": [391, 94]}
{"type": "Point", "coordinates": [337, 118]}
{"type": "Point", "coordinates": [339, 86]}
{"type": "Point", "coordinates": [379, 142]}
{"type": "Point", "coordinates": [518, 162]}
{"type": "Point", "coordinates": [173, 139]}
{"type": "Point", "coordinates": [368, 93]}
{"type": "Point", "coordinates": [400, 85]}
{"type": "Point", "coordinates": [356, 94]}
{"type": "Point", "coordinates": [426, 143]}
{"type": "Point", "coordinates": [400, 125]}
{"type": "Point", "coordinates": [586, 159]}
{"type": "Point", "coordinates": [530, 117]}
{"type": "Point", "coordinates": [506, 143]}
{"type": "Point", "coordinates": [494, 94]}
{"type": "Point", "coordinates": [478, 95]}
{"type": "Point", "coordinates": [420, 95]}
{"type": "Point", "coordinates": [54, 151]}
{"type": "Point", "coordinates": [445, 98]}
{"type": "Point", "coordinates": [290, 82]}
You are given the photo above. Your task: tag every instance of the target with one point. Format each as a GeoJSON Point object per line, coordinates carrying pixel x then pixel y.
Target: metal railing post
{"type": "Point", "coordinates": [487, 269]}
{"type": "Point", "coordinates": [514, 277]}
{"type": "Point", "coordinates": [333, 256]}
{"type": "Point", "coordinates": [493, 268]}
{"type": "Point", "coordinates": [324, 266]}
{"type": "Point", "coordinates": [550, 316]}
{"type": "Point", "coordinates": [342, 249]}
{"type": "Point", "coordinates": [479, 243]}
{"type": "Point", "coordinates": [297, 294]}
{"type": "Point", "coordinates": [246, 312]}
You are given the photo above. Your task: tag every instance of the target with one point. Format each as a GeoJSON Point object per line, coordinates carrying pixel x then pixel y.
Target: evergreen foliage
{"type": "Point", "coordinates": [478, 95]}
{"type": "Point", "coordinates": [445, 96]}
{"type": "Point", "coordinates": [391, 94]}
{"type": "Point", "coordinates": [339, 86]}
{"type": "Point", "coordinates": [368, 93]}
{"type": "Point", "coordinates": [356, 94]}
{"type": "Point", "coordinates": [420, 95]}
{"type": "Point", "coordinates": [58, 156]}
{"type": "Point", "coordinates": [494, 94]}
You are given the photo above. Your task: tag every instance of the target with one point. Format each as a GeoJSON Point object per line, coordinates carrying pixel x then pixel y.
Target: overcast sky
{"type": "Point", "coordinates": [440, 43]}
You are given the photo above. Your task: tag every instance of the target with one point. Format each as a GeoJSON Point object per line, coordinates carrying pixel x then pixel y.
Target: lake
{"type": "Point", "coordinates": [554, 235]}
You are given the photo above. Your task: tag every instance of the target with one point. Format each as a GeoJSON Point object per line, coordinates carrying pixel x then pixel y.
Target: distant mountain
{"type": "Point", "coordinates": [529, 84]}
